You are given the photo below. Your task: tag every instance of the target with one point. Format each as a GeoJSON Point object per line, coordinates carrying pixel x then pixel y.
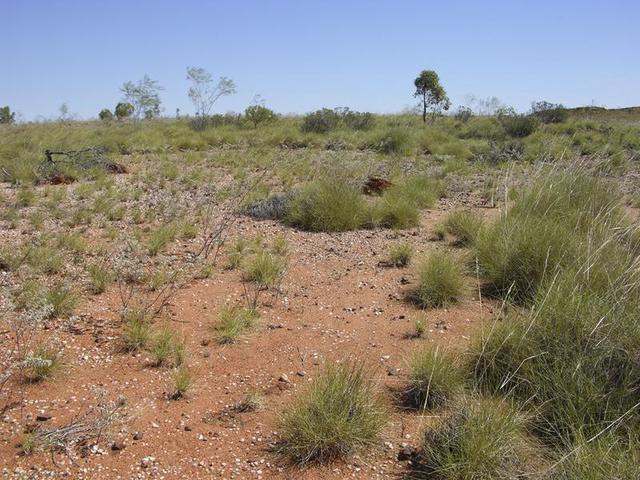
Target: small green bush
{"type": "Point", "coordinates": [395, 141]}
{"type": "Point", "coordinates": [62, 298]}
{"type": "Point", "coordinates": [182, 383]}
{"type": "Point", "coordinates": [160, 238]}
{"type": "Point", "coordinates": [440, 280]}
{"type": "Point", "coordinates": [100, 277]}
{"type": "Point", "coordinates": [167, 348]}
{"type": "Point", "coordinates": [338, 415]}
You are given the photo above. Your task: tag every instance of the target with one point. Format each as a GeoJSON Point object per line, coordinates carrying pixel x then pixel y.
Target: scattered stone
{"type": "Point", "coordinates": [407, 453]}
{"type": "Point", "coordinates": [146, 462]}
{"type": "Point", "coordinates": [284, 378]}
{"type": "Point", "coordinates": [138, 436]}
{"type": "Point", "coordinates": [117, 446]}
{"type": "Point", "coordinates": [43, 417]}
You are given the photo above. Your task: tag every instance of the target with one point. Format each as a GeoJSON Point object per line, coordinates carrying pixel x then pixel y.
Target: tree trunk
{"type": "Point", "coordinates": [424, 109]}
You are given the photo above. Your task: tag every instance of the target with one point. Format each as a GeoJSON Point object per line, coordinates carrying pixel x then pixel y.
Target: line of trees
{"type": "Point", "coordinates": [141, 99]}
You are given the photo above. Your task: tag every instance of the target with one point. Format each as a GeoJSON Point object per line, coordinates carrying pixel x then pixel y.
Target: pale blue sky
{"type": "Point", "coordinates": [302, 55]}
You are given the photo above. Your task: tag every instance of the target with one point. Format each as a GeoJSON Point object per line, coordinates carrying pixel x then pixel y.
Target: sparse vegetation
{"type": "Point", "coordinates": [233, 323]}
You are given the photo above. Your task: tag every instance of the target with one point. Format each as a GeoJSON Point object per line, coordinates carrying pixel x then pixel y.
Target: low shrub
{"type": "Point", "coordinates": [265, 269]}
{"type": "Point", "coordinates": [339, 414]}
{"type": "Point", "coordinates": [516, 125]}
{"type": "Point", "coordinates": [320, 121]}
{"type": "Point", "coordinates": [41, 363]}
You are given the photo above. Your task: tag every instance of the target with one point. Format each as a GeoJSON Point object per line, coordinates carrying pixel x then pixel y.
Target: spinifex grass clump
{"type": "Point", "coordinates": [326, 206]}
{"type": "Point", "coordinates": [336, 205]}
{"type": "Point", "coordinates": [463, 225]}
{"type": "Point", "coordinates": [339, 414]}
{"type": "Point", "coordinates": [572, 355]}
{"type": "Point", "coordinates": [440, 280]}
{"type": "Point", "coordinates": [435, 378]}
{"type": "Point", "coordinates": [233, 323]}
{"type": "Point", "coordinates": [481, 439]}
{"type": "Point", "coordinates": [555, 222]}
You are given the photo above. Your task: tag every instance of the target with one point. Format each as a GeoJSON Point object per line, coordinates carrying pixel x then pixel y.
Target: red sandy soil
{"type": "Point", "coordinates": [338, 300]}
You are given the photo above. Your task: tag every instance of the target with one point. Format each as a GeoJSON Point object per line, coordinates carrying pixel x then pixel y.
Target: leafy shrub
{"type": "Point", "coordinates": [516, 125]}
{"type": "Point", "coordinates": [549, 112]}
{"type": "Point", "coordinates": [40, 364]}
{"type": "Point", "coordinates": [440, 280]}
{"type": "Point", "coordinates": [320, 121]}
{"type": "Point", "coordinates": [477, 439]}
{"type": "Point", "coordinates": [105, 115]}
{"type": "Point", "coordinates": [338, 415]}
{"type": "Point", "coordinates": [359, 120]}
{"type": "Point", "coordinates": [435, 378]}
{"type": "Point", "coordinates": [463, 114]}
{"type": "Point", "coordinates": [123, 110]}
{"type": "Point", "coordinates": [258, 114]}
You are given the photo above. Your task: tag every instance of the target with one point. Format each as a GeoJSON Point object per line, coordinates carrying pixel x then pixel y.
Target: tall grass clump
{"type": "Point", "coordinates": [572, 355]}
{"type": "Point", "coordinates": [326, 206]}
{"type": "Point", "coordinates": [463, 225]}
{"type": "Point", "coordinates": [340, 414]}
{"type": "Point", "coordinates": [435, 377]}
{"type": "Point", "coordinates": [478, 439]}
{"type": "Point", "coordinates": [440, 280]}
{"type": "Point", "coordinates": [552, 223]}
